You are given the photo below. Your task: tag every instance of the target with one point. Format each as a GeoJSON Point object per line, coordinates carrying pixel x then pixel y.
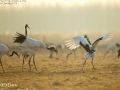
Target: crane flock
{"type": "Point", "coordinates": [28, 47]}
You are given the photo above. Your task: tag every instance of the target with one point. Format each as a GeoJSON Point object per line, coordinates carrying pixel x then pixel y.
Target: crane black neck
{"type": "Point", "coordinates": [25, 30]}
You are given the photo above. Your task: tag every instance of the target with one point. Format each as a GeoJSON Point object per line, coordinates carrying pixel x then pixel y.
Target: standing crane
{"type": "Point", "coordinates": [29, 46]}
{"type": "Point", "coordinates": [52, 49]}
{"type": "Point", "coordinates": [85, 43]}
{"type": "Point", "coordinates": [74, 50]}
{"type": "Point", "coordinates": [111, 47]}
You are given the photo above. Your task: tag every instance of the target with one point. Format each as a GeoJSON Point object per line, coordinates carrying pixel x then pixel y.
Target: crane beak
{"type": "Point", "coordinates": [28, 27]}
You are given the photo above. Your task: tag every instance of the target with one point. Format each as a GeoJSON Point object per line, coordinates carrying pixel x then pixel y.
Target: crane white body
{"type": "Point", "coordinates": [27, 52]}
{"type": "Point", "coordinates": [85, 43]}
{"type": "Point", "coordinates": [5, 50]}
{"type": "Point", "coordinates": [111, 47]}
{"type": "Point", "coordinates": [33, 44]}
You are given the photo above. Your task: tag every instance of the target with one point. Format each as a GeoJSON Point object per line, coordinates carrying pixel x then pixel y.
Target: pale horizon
{"type": "Point", "coordinates": [60, 16]}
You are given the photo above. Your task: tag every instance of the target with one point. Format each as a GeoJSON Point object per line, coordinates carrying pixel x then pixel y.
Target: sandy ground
{"type": "Point", "coordinates": [61, 74]}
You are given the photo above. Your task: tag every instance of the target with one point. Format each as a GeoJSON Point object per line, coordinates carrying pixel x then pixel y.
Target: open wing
{"type": "Point", "coordinates": [76, 42]}
{"type": "Point", "coordinates": [73, 43]}
{"type": "Point", "coordinates": [106, 37]}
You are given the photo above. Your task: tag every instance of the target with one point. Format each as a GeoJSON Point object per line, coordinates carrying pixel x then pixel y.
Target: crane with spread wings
{"type": "Point", "coordinates": [85, 43]}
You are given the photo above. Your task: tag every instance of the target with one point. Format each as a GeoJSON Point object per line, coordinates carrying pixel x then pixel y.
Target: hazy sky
{"type": "Point", "coordinates": [60, 15]}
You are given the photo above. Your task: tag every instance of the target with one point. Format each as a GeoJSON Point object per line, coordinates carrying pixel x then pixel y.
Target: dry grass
{"type": "Point", "coordinates": [62, 74]}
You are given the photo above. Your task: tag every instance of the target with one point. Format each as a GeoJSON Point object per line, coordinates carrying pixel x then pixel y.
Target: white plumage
{"type": "Point", "coordinates": [27, 52]}
{"type": "Point", "coordinates": [32, 43]}
{"type": "Point", "coordinates": [111, 47]}
{"type": "Point", "coordinates": [5, 50]}
{"type": "Point", "coordinates": [85, 43]}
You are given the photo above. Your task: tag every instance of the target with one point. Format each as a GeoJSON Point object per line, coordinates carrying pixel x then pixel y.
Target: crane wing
{"type": "Point", "coordinates": [30, 42]}
{"type": "Point", "coordinates": [106, 37]}
{"type": "Point", "coordinates": [73, 43]}
{"type": "Point", "coordinates": [20, 38]}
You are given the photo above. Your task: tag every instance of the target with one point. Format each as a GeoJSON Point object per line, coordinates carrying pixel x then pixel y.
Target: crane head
{"type": "Point", "coordinates": [26, 26]}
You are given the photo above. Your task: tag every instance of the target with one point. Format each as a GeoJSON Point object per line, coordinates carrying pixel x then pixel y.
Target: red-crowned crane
{"type": "Point", "coordinates": [85, 43]}
{"type": "Point", "coordinates": [111, 47]}
{"type": "Point", "coordinates": [74, 50]}
{"type": "Point", "coordinates": [52, 49]}
{"type": "Point", "coordinates": [5, 50]}
{"type": "Point", "coordinates": [28, 45]}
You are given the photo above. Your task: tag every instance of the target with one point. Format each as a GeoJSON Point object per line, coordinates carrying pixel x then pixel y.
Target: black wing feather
{"type": "Point", "coordinates": [20, 38]}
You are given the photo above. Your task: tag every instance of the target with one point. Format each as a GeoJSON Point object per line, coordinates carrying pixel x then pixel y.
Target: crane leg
{"type": "Point", "coordinates": [106, 53]}
{"type": "Point", "coordinates": [118, 54]}
{"type": "Point", "coordinates": [2, 65]}
{"type": "Point", "coordinates": [23, 62]}
{"type": "Point", "coordinates": [68, 55]}
{"type": "Point", "coordinates": [84, 64]}
{"type": "Point", "coordinates": [34, 63]}
{"type": "Point", "coordinates": [92, 63]}
{"type": "Point", "coordinates": [51, 56]}
{"type": "Point", "coordinates": [29, 63]}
